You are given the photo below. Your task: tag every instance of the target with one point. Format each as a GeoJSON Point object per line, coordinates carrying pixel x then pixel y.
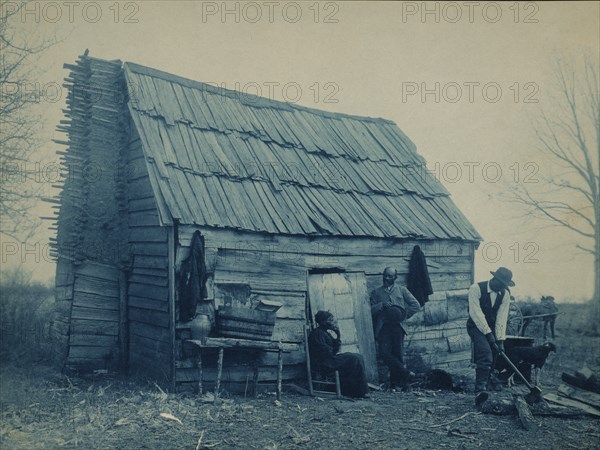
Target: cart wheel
{"type": "Point", "coordinates": [515, 320]}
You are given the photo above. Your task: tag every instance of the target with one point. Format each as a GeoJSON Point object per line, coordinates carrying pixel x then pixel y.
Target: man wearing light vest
{"type": "Point", "coordinates": [489, 304]}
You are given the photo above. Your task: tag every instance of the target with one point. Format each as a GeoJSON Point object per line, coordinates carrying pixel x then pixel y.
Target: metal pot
{"type": "Point", "coordinates": [200, 326]}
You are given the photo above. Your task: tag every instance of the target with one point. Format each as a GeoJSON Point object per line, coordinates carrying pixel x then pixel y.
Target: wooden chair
{"type": "Point", "coordinates": [318, 382]}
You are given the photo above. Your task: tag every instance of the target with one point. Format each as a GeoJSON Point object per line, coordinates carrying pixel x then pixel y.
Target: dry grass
{"type": "Point", "coordinates": [25, 310]}
{"type": "Point", "coordinates": [575, 345]}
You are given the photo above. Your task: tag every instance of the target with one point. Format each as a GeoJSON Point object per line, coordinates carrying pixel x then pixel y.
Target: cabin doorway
{"type": "Point", "coordinates": [344, 294]}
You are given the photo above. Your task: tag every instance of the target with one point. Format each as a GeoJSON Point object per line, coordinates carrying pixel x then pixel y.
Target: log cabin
{"type": "Point", "coordinates": [294, 205]}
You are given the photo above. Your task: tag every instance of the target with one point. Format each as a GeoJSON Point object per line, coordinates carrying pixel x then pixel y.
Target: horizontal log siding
{"type": "Point", "coordinates": [147, 290]}
{"type": "Point", "coordinates": [276, 267]}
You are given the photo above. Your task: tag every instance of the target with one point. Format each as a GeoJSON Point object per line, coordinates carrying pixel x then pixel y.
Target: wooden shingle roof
{"type": "Point", "coordinates": [224, 159]}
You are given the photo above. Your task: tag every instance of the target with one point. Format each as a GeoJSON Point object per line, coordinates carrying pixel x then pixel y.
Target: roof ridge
{"type": "Point", "coordinates": [257, 100]}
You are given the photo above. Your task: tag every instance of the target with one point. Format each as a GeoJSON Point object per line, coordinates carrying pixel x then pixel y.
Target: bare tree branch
{"type": "Point", "coordinates": [19, 123]}
{"type": "Point", "coordinates": [570, 136]}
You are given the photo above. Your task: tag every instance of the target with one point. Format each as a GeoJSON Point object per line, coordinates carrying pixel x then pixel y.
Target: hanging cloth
{"type": "Point", "coordinates": [192, 279]}
{"type": "Point", "coordinates": [418, 281]}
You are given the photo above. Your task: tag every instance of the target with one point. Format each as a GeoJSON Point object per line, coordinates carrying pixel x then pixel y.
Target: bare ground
{"type": "Point", "coordinates": [43, 409]}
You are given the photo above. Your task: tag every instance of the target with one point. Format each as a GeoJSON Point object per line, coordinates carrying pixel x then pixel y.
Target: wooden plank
{"type": "Point", "coordinates": [440, 282]}
{"type": "Point", "coordinates": [148, 280]}
{"type": "Point", "coordinates": [256, 281]}
{"type": "Point", "coordinates": [243, 343]}
{"type": "Point", "coordinates": [79, 312]}
{"type": "Point", "coordinates": [60, 326]}
{"type": "Point", "coordinates": [136, 166]}
{"type": "Point", "coordinates": [91, 352]}
{"type": "Point", "coordinates": [63, 308]}
{"type": "Point", "coordinates": [93, 340]}
{"type": "Point", "coordinates": [143, 204]}
{"type": "Point", "coordinates": [149, 291]}
{"type": "Point", "coordinates": [64, 278]}
{"type": "Point", "coordinates": [337, 246]}
{"type": "Point", "coordinates": [364, 325]}
{"type": "Point", "coordinates": [139, 188]}
{"type": "Point", "coordinates": [97, 286]}
{"type": "Point", "coordinates": [525, 415]}
{"type": "Point", "coordinates": [95, 301]}
{"type": "Point", "coordinates": [64, 292]}
{"type": "Point", "coordinates": [294, 357]}
{"type": "Point", "coordinates": [147, 303]}
{"type": "Point", "coordinates": [123, 322]}
{"type": "Point", "coordinates": [153, 345]}
{"type": "Point", "coordinates": [241, 374]}
{"type": "Point", "coordinates": [150, 262]}
{"type": "Point", "coordinates": [271, 264]}
{"type": "Point", "coordinates": [85, 364]}
{"type": "Point", "coordinates": [294, 253]}
{"type": "Point", "coordinates": [147, 234]}
{"type": "Point", "coordinates": [572, 403]}
{"type": "Point", "coordinates": [150, 331]}
{"type": "Point", "coordinates": [162, 273]}
{"type": "Point", "coordinates": [588, 397]}
{"type": "Point", "coordinates": [97, 271]}
{"type": "Point", "coordinates": [171, 297]}
{"type": "Point", "coordinates": [94, 327]}
{"type": "Point", "coordinates": [148, 316]}
{"type": "Point", "coordinates": [450, 281]}
{"type": "Point", "coordinates": [149, 352]}
{"type": "Point", "coordinates": [143, 219]}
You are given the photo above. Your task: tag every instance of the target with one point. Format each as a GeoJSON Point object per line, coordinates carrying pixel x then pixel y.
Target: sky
{"type": "Point", "coordinates": [464, 80]}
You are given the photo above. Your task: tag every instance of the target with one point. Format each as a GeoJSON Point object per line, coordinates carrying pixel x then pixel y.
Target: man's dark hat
{"type": "Point", "coordinates": [322, 316]}
{"type": "Point", "coordinates": [504, 276]}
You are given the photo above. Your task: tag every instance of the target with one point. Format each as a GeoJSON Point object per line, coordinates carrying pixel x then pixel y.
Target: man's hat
{"type": "Point", "coordinates": [322, 316]}
{"type": "Point", "coordinates": [504, 276]}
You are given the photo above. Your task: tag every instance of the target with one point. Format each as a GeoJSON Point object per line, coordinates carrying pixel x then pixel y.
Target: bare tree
{"type": "Point", "coordinates": [569, 138]}
{"type": "Point", "coordinates": [19, 123]}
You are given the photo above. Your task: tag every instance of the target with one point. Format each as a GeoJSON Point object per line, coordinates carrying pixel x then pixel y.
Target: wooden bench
{"type": "Point", "coordinates": [233, 343]}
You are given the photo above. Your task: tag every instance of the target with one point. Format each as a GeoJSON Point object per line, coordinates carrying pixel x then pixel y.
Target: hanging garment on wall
{"type": "Point", "coordinates": [192, 279]}
{"type": "Point", "coordinates": [418, 281]}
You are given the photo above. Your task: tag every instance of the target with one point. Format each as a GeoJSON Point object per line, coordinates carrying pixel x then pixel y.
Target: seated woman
{"type": "Point", "coordinates": [324, 357]}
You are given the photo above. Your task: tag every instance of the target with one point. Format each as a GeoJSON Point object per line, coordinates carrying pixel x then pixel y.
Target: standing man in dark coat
{"type": "Point", "coordinates": [324, 357]}
{"type": "Point", "coordinates": [489, 305]}
{"type": "Point", "coordinates": [392, 304]}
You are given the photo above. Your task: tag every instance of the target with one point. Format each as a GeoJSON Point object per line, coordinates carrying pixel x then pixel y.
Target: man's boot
{"type": "Point", "coordinates": [494, 383]}
{"type": "Point", "coordinates": [481, 380]}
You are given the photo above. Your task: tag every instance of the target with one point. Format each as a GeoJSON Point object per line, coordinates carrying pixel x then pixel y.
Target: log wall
{"type": "Point", "coordinates": [148, 314]}
{"type": "Point", "coordinates": [275, 268]}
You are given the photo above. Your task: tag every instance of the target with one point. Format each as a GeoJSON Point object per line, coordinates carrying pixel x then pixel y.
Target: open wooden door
{"type": "Point", "coordinates": [345, 296]}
